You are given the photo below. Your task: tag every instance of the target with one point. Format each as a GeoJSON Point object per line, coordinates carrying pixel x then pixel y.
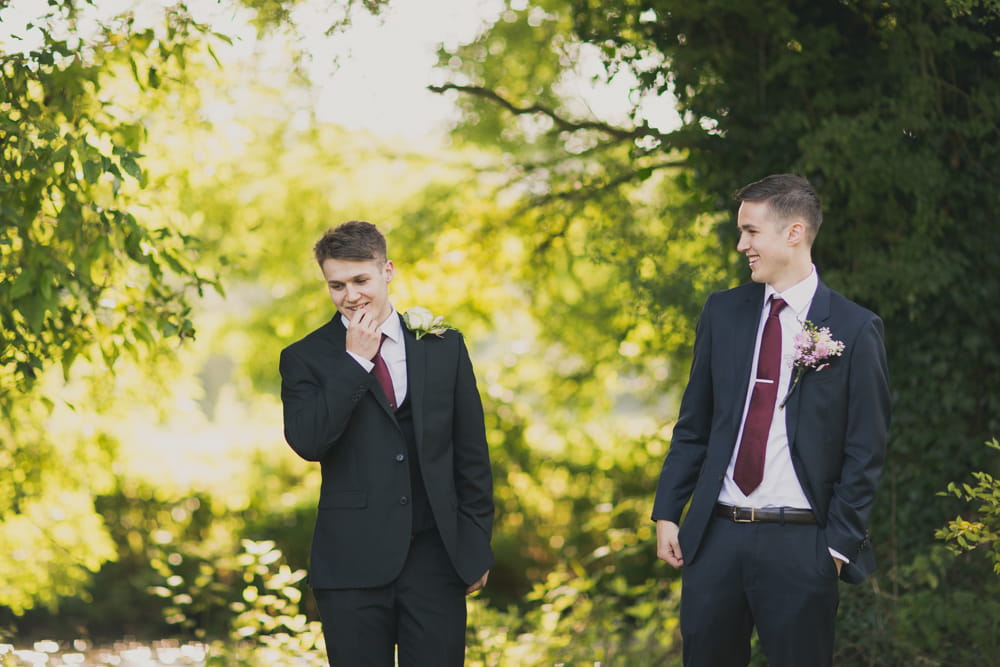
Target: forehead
{"type": "Point", "coordinates": [756, 214]}
{"type": "Point", "coordinates": [346, 270]}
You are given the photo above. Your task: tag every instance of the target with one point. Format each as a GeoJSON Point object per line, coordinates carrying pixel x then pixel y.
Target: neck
{"type": "Point", "coordinates": [389, 312]}
{"type": "Point", "coordinates": [793, 276]}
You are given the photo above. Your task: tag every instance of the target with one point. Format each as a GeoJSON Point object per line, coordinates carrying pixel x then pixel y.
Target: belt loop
{"type": "Point", "coordinates": [781, 516]}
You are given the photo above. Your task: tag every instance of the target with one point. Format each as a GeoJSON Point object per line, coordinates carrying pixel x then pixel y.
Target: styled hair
{"type": "Point", "coordinates": [356, 241]}
{"type": "Point", "coordinates": [790, 197]}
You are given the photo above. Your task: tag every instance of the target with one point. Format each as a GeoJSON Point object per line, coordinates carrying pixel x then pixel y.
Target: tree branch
{"type": "Point", "coordinates": [619, 133]}
{"type": "Point", "coordinates": [593, 189]}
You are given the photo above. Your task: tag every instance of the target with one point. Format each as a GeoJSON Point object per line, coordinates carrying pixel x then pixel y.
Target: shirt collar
{"type": "Point", "coordinates": [799, 296]}
{"type": "Point", "coordinates": [390, 327]}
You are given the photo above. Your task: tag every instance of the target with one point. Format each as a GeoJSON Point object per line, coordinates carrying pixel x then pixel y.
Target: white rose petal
{"type": "Point", "coordinates": [419, 318]}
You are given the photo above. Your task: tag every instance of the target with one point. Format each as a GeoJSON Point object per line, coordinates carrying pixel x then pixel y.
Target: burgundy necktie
{"type": "Point", "coordinates": [383, 376]}
{"type": "Point", "coordinates": [749, 469]}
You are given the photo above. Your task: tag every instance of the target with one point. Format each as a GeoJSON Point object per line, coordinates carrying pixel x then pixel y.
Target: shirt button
{"type": "Point", "coordinates": [404, 500]}
{"type": "Point", "coordinates": [400, 458]}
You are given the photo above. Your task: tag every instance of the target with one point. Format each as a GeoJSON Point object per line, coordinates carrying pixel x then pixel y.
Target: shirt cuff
{"type": "Point", "coordinates": [366, 364]}
{"type": "Point", "coordinates": [839, 556]}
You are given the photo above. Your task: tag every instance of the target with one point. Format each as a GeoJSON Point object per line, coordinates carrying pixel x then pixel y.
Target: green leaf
{"type": "Point", "coordinates": [132, 168]}
{"type": "Point", "coordinates": [23, 284]}
{"type": "Point", "coordinates": [92, 170]}
{"type": "Point", "coordinates": [33, 310]}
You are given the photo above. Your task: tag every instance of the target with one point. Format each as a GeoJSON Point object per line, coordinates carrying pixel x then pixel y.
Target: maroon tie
{"type": "Point", "coordinates": [749, 470]}
{"type": "Point", "coordinates": [383, 376]}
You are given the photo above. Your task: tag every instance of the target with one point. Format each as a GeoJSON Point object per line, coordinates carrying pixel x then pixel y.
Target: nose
{"type": "Point", "coordinates": [352, 293]}
{"type": "Point", "coordinates": [741, 243]}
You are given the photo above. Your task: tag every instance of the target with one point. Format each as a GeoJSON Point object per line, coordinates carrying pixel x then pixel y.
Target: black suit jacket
{"type": "Point", "coordinates": [336, 413]}
{"type": "Point", "coordinates": [837, 421]}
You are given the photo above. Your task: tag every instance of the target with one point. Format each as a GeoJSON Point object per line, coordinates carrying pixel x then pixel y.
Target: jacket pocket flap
{"type": "Point", "coordinates": [356, 499]}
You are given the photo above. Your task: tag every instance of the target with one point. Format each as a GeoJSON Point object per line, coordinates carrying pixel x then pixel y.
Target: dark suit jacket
{"type": "Point", "coordinates": [336, 413]}
{"type": "Point", "coordinates": [837, 421]}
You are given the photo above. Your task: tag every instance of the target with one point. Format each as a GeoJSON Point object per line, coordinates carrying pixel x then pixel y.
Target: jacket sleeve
{"type": "Point", "coordinates": [865, 435]}
{"type": "Point", "coordinates": [472, 470]}
{"type": "Point", "coordinates": [318, 401]}
{"type": "Point", "coordinates": [689, 442]}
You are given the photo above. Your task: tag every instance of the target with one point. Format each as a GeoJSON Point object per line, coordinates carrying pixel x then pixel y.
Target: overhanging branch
{"type": "Point", "coordinates": [588, 191]}
{"type": "Point", "coordinates": [619, 133]}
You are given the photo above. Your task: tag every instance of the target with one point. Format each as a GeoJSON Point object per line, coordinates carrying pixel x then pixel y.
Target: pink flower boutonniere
{"type": "Point", "coordinates": [814, 347]}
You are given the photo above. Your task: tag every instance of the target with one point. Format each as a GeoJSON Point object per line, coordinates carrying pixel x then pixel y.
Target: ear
{"type": "Point", "coordinates": [389, 269]}
{"type": "Point", "coordinates": [795, 233]}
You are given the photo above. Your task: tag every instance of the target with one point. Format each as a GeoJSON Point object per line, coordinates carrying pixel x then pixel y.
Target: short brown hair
{"type": "Point", "coordinates": [789, 196]}
{"type": "Point", "coordinates": [355, 240]}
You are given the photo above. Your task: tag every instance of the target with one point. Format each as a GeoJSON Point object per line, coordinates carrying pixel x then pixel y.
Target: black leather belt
{"type": "Point", "coordinates": [764, 515]}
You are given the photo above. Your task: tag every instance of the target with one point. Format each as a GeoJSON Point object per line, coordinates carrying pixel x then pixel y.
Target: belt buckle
{"type": "Point", "coordinates": [752, 519]}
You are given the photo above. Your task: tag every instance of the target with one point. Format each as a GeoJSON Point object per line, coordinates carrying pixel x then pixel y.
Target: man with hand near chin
{"type": "Point", "coordinates": [778, 447]}
{"type": "Point", "coordinates": [405, 514]}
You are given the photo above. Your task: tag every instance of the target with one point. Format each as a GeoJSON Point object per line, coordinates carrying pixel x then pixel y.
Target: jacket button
{"type": "Point", "coordinates": [400, 458]}
{"type": "Point", "coordinates": [404, 500]}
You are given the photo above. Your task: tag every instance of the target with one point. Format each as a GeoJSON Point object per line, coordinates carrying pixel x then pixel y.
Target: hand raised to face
{"type": "Point", "coordinates": [364, 335]}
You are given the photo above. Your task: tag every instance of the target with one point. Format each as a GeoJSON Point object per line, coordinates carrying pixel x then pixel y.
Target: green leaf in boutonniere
{"type": "Point", "coordinates": [422, 322]}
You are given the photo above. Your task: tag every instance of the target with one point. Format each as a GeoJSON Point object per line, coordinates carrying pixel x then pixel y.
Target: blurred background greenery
{"type": "Point", "coordinates": [165, 172]}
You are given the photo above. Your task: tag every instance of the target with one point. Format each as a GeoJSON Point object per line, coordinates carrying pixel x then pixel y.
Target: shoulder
{"type": "Point", "coordinates": [843, 308]}
{"type": "Point", "coordinates": [319, 337]}
{"type": "Point", "coordinates": [449, 340]}
{"type": "Point", "coordinates": [735, 296]}
{"type": "Point", "coordinates": [858, 327]}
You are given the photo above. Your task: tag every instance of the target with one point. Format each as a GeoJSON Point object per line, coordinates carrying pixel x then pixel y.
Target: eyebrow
{"type": "Point", "coordinates": [351, 279]}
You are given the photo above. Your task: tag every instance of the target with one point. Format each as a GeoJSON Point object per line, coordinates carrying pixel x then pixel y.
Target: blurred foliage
{"type": "Point", "coordinates": [265, 624]}
{"type": "Point", "coordinates": [81, 276]}
{"type": "Point", "coordinates": [95, 275]}
{"type": "Point", "coordinates": [574, 251]}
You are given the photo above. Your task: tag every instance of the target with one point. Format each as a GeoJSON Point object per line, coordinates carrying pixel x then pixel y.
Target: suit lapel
{"type": "Point", "coordinates": [335, 334]}
{"type": "Point", "coordinates": [819, 313]}
{"type": "Point", "coordinates": [416, 371]}
{"type": "Point", "coordinates": [744, 332]}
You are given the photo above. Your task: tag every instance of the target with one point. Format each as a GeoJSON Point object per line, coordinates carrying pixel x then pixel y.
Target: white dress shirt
{"type": "Point", "coordinates": [393, 353]}
{"type": "Point", "coordinates": [780, 486]}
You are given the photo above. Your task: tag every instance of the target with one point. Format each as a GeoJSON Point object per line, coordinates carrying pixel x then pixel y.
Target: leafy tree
{"type": "Point", "coordinates": [80, 274]}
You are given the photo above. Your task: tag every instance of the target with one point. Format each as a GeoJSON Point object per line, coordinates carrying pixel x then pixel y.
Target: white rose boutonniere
{"type": "Point", "coordinates": [814, 348]}
{"type": "Point", "coordinates": [422, 322]}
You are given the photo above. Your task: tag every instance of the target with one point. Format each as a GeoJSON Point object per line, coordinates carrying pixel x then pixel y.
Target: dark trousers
{"type": "Point", "coordinates": [778, 578]}
{"type": "Point", "coordinates": [422, 612]}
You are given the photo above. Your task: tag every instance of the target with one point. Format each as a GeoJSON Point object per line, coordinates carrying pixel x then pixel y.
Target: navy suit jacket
{"type": "Point", "coordinates": [837, 421]}
{"type": "Point", "coordinates": [335, 413]}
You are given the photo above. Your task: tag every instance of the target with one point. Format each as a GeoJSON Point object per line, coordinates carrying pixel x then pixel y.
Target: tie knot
{"type": "Point", "coordinates": [777, 303]}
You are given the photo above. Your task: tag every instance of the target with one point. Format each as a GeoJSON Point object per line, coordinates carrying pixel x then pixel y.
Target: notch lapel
{"type": "Point", "coordinates": [416, 373]}
{"type": "Point", "coordinates": [819, 313]}
{"type": "Point", "coordinates": [746, 320]}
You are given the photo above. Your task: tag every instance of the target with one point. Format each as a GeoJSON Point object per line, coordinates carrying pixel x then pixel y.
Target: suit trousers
{"type": "Point", "coordinates": [422, 613]}
{"type": "Point", "coordinates": [779, 578]}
